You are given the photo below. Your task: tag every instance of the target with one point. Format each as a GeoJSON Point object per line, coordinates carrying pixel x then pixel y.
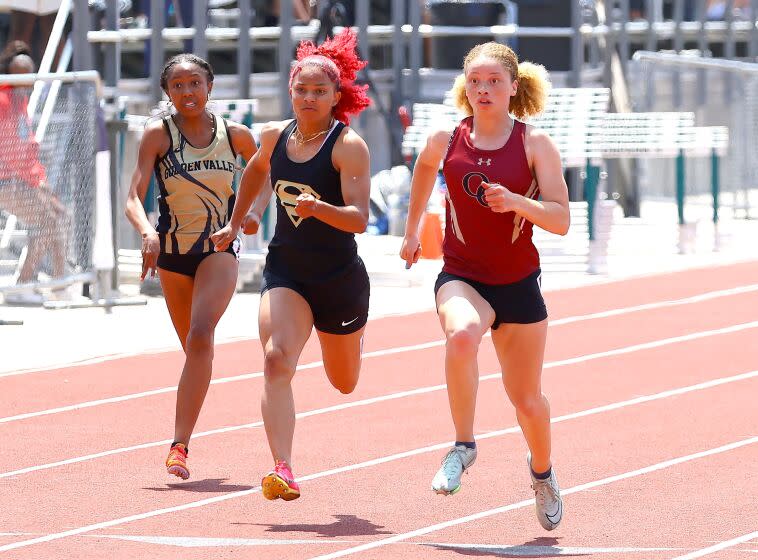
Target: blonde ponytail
{"type": "Point", "coordinates": [532, 92]}
{"type": "Point", "coordinates": [459, 95]}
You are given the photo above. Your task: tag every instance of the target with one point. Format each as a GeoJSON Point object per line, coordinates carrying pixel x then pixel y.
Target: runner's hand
{"type": "Point", "coordinates": [499, 198]}
{"type": "Point", "coordinates": [224, 237]}
{"type": "Point", "coordinates": [306, 205]}
{"type": "Point", "coordinates": [250, 223]}
{"type": "Point", "coordinates": [410, 251]}
{"type": "Point", "coordinates": [151, 246]}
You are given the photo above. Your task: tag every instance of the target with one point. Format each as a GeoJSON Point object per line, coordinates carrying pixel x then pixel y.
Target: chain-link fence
{"type": "Point", "coordinates": [718, 92]}
{"type": "Point", "coordinates": [48, 168]}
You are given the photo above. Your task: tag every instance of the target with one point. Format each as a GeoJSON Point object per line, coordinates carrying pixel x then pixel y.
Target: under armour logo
{"type": "Point", "coordinates": [486, 162]}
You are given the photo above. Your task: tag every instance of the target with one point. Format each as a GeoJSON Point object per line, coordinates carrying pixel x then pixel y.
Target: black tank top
{"type": "Point", "coordinates": [307, 250]}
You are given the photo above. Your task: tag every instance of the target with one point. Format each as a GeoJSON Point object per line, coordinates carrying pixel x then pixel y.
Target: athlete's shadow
{"type": "Point", "coordinates": [207, 485]}
{"type": "Point", "coordinates": [345, 526]}
{"type": "Point", "coordinates": [541, 547]}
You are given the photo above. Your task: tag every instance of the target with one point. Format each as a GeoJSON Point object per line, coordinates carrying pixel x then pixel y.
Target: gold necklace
{"type": "Point", "coordinates": [300, 140]}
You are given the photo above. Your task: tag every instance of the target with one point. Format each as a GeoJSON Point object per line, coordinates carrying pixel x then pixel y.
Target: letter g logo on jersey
{"type": "Point", "coordinates": [472, 184]}
{"type": "Point", "coordinates": [287, 191]}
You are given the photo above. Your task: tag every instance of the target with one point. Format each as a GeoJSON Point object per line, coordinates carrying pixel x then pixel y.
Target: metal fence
{"type": "Point", "coordinates": [51, 216]}
{"type": "Point", "coordinates": [718, 92]}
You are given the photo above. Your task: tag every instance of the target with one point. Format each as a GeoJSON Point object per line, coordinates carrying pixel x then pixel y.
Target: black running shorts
{"type": "Point", "coordinates": [519, 302]}
{"type": "Point", "coordinates": [187, 264]}
{"type": "Point", "coordinates": [339, 304]}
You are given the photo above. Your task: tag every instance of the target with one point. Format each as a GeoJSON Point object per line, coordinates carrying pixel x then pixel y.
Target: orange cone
{"type": "Point", "coordinates": [431, 236]}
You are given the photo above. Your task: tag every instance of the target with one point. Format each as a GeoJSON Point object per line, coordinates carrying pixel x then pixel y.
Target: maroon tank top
{"type": "Point", "coordinates": [481, 245]}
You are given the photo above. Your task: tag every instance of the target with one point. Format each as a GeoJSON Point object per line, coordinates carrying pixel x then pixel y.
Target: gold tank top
{"type": "Point", "coordinates": [196, 196]}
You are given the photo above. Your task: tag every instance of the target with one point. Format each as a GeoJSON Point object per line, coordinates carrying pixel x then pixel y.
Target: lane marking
{"type": "Point", "coordinates": [718, 547]}
{"type": "Point", "coordinates": [198, 542]}
{"type": "Point", "coordinates": [402, 455]}
{"type": "Point", "coordinates": [524, 503]}
{"type": "Point", "coordinates": [373, 400]}
{"type": "Point", "coordinates": [386, 352]}
{"type": "Point", "coordinates": [529, 551]}
{"type": "Point", "coordinates": [706, 296]}
{"type": "Point", "coordinates": [565, 321]}
{"type": "Point", "coordinates": [536, 551]}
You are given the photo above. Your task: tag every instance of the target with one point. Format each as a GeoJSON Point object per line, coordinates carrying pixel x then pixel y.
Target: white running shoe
{"type": "Point", "coordinates": [448, 479]}
{"type": "Point", "coordinates": [23, 298]}
{"type": "Point", "coordinates": [547, 498]}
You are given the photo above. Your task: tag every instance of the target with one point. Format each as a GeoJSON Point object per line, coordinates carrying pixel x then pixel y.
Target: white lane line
{"type": "Point", "coordinates": [365, 402]}
{"type": "Point", "coordinates": [718, 547]}
{"type": "Point", "coordinates": [371, 463]}
{"type": "Point", "coordinates": [528, 551]}
{"type": "Point", "coordinates": [524, 503]}
{"type": "Point", "coordinates": [706, 296]}
{"type": "Point", "coordinates": [227, 429]}
{"type": "Point", "coordinates": [219, 381]}
{"type": "Point", "coordinates": [537, 551]}
{"type": "Point", "coordinates": [653, 344]}
{"type": "Point", "coordinates": [198, 542]}
{"type": "Point", "coordinates": [558, 322]}
{"type": "Point", "coordinates": [17, 534]}
{"type": "Point", "coordinates": [386, 352]}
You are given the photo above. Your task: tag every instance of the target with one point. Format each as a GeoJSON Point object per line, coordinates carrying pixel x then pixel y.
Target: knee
{"type": "Point", "coordinates": [278, 366]}
{"type": "Point", "coordinates": [530, 406]}
{"type": "Point", "coordinates": [347, 385]}
{"type": "Point", "coordinates": [200, 339]}
{"type": "Point", "coordinates": [463, 343]}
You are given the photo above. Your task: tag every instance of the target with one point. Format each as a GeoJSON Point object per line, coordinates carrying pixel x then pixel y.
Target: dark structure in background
{"type": "Point", "coordinates": [448, 52]}
{"type": "Point", "coordinates": [552, 53]}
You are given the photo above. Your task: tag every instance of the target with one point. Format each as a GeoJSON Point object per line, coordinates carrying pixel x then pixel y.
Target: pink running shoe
{"type": "Point", "coordinates": [176, 462]}
{"type": "Point", "coordinates": [280, 483]}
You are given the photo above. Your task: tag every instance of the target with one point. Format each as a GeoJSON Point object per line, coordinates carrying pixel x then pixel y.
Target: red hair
{"type": "Point", "coordinates": [339, 60]}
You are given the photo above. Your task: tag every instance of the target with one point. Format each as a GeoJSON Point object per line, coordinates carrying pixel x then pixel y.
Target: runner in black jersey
{"type": "Point", "coordinates": [313, 276]}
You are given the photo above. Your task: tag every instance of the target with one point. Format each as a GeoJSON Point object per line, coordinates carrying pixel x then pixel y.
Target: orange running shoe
{"type": "Point", "coordinates": [176, 462]}
{"type": "Point", "coordinates": [280, 483]}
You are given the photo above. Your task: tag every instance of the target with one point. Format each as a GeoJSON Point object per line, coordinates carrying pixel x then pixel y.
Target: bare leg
{"type": "Point", "coordinates": [22, 26]}
{"type": "Point", "coordinates": [214, 285]}
{"type": "Point", "coordinates": [285, 323]}
{"type": "Point", "coordinates": [342, 358]}
{"type": "Point", "coordinates": [465, 316]}
{"type": "Point", "coordinates": [29, 207]}
{"type": "Point", "coordinates": [521, 350]}
{"type": "Point", "coordinates": [177, 292]}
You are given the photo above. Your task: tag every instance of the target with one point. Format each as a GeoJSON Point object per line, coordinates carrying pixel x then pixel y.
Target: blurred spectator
{"type": "Point", "coordinates": [716, 9]}
{"type": "Point", "coordinates": [5, 23]}
{"type": "Point", "coordinates": [178, 13]}
{"type": "Point", "coordinates": [28, 17]}
{"type": "Point", "coordinates": [636, 9]}
{"type": "Point", "coordinates": [98, 11]}
{"type": "Point", "coordinates": [23, 189]}
{"type": "Point", "coordinates": [269, 11]}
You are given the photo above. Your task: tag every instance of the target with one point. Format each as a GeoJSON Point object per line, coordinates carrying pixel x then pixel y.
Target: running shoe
{"type": "Point", "coordinates": [448, 479]}
{"type": "Point", "coordinates": [176, 462]}
{"type": "Point", "coordinates": [547, 498]}
{"type": "Point", "coordinates": [280, 483]}
{"type": "Point", "coordinates": [23, 298]}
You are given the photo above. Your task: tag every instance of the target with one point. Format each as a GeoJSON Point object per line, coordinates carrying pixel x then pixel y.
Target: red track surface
{"type": "Point", "coordinates": [383, 490]}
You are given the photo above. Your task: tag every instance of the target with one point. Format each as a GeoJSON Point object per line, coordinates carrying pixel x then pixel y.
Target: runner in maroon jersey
{"type": "Point", "coordinates": [502, 177]}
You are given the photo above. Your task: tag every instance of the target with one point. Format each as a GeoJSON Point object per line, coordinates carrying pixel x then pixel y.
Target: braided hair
{"type": "Point", "coordinates": [180, 59]}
